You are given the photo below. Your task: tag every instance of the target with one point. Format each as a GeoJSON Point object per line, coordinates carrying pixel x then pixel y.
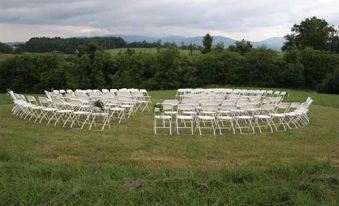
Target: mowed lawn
{"type": "Point", "coordinates": [129, 165]}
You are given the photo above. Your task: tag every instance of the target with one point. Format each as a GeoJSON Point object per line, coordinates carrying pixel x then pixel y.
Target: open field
{"type": "Point", "coordinates": [147, 50]}
{"type": "Point", "coordinates": [128, 165]}
{"type": "Point", "coordinates": [5, 56]}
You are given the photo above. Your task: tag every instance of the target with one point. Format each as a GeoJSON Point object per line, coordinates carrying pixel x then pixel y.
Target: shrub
{"type": "Point", "coordinates": [330, 84]}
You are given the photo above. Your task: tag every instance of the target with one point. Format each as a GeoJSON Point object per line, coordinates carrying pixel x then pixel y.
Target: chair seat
{"type": "Point", "coordinates": [81, 112]}
{"type": "Point", "coordinates": [277, 114]}
{"type": "Point", "coordinates": [238, 110]}
{"type": "Point", "coordinates": [205, 117]}
{"type": "Point", "coordinates": [36, 107]}
{"type": "Point", "coordinates": [184, 117]}
{"type": "Point", "coordinates": [117, 109]}
{"type": "Point", "coordinates": [64, 111]}
{"type": "Point", "coordinates": [111, 104]}
{"type": "Point", "coordinates": [291, 114]}
{"type": "Point", "coordinates": [170, 112]}
{"type": "Point", "coordinates": [189, 112]}
{"type": "Point", "coordinates": [128, 103]}
{"type": "Point", "coordinates": [251, 110]}
{"type": "Point", "coordinates": [100, 114]}
{"type": "Point", "coordinates": [49, 109]}
{"type": "Point", "coordinates": [225, 118]}
{"type": "Point", "coordinates": [225, 112]}
{"type": "Point", "coordinates": [245, 117]}
{"type": "Point", "coordinates": [262, 116]}
{"type": "Point", "coordinates": [162, 117]}
{"type": "Point", "coordinates": [127, 106]}
{"type": "Point", "coordinates": [208, 112]}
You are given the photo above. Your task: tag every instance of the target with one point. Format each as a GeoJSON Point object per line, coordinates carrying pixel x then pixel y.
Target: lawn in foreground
{"type": "Point", "coordinates": [127, 164]}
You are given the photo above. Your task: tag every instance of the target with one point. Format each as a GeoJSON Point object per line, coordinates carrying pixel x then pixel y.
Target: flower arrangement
{"type": "Point", "coordinates": [99, 104]}
{"type": "Point", "coordinates": [158, 109]}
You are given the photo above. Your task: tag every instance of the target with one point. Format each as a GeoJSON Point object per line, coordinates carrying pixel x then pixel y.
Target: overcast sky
{"type": "Point", "coordinates": [250, 19]}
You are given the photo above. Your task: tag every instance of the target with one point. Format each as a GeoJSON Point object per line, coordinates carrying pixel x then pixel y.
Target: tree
{"type": "Point", "coordinates": [4, 48]}
{"type": "Point", "coordinates": [207, 43]}
{"type": "Point", "coordinates": [241, 47]}
{"type": "Point", "coordinates": [312, 32]}
{"type": "Point", "coordinates": [220, 47]}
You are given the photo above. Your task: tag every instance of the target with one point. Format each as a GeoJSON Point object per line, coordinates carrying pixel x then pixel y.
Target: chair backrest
{"type": "Point", "coordinates": [283, 105]}
{"type": "Point", "coordinates": [11, 94]}
{"type": "Point", "coordinates": [105, 91]}
{"type": "Point", "coordinates": [167, 106]}
{"type": "Point", "coordinates": [190, 102]}
{"type": "Point", "coordinates": [243, 102]}
{"type": "Point", "coordinates": [43, 101]}
{"type": "Point", "coordinates": [114, 91]}
{"type": "Point", "coordinates": [32, 100]}
{"type": "Point", "coordinates": [210, 107]}
{"type": "Point", "coordinates": [75, 103]}
{"type": "Point", "coordinates": [58, 103]}
{"type": "Point", "coordinates": [248, 106]}
{"type": "Point", "coordinates": [69, 95]}
{"type": "Point", "coordinates": [171, 101]}
{"type": "Point", "coordinates": [294, 105]}
{"type": "Point", "coordinates": [268, 107]}
{"type": "Point", "coordinates": [186, 107]}
{"type": "Point", "coordinates": [269, 93]}
{"type": "Point", "coordinates": [276, 93]}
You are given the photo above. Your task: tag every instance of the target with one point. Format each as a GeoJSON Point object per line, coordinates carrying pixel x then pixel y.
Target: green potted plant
{"type": "Point", "coordinates": [158, 109]}
{"type": "Point", "coordinates": [99, 106]}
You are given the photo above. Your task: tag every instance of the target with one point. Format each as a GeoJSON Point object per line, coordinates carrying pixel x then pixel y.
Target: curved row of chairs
{"type": "Point", "coordinates": [78, 109]}
{"type": "Point", "coordinates": [181, 93]}
{"type": "Point", "coordinates": [243, 116]}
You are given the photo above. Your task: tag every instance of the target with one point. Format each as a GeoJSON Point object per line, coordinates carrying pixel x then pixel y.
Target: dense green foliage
{"type": "Point", "coordinates": [313, 32]}
{"type": "Point", "coordinates": [310, 61]}
{"type": "Point", "coordinates": [69, 45]}
{"type": "Point", "coordinates": [168, 69]}
{"type": "Point", "coordinates": [207, 43]}
{"type": "Point", "coordinates": [4, 48]}
{"type": "Point", "coordinates": [242, 47]}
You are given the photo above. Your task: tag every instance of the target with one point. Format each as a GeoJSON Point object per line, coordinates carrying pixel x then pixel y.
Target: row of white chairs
{"type": "Point", "coordinates": [233, 117]}
{"type": "Point", "coordinates": [140, 97]}
{"type": "Point", "coordinates": [135, 93]}
{"type": "Point", "coordinates": [181, 93]}
{"type": "Point", "coordinates": [99, 92]}
{"type": "Point", "coordinates": [72, 112]}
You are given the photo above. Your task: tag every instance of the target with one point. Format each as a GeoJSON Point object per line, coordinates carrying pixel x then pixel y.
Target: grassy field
{"type": "Point", "coordinates": [5, 56]}
{"type": "Point", "coordinates": [147, 50]}
{"type": "Point", "coordinates": [128, 165]}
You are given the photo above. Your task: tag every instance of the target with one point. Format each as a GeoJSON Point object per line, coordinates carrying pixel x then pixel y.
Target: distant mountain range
{"type": "Point", "coordinates": [274, 42]}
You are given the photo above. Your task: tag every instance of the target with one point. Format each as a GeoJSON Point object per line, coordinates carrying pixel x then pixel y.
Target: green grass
{"type": "Point", "coordinates": [128, 165]}
{"type": "Point", "coordinates": [5, 56]}
{"type": "Point", "coordinates": [146, 50]}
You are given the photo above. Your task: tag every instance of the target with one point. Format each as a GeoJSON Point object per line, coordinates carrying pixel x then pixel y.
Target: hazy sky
{"type": "Point", "coordinates": [249, 19]}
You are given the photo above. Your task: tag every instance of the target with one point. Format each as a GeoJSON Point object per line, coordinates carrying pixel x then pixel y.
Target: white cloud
{"type": "Point", "coordinates": [251, 19]}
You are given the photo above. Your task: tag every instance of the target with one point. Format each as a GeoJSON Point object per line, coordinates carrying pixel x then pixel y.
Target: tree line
{"type": "Point", "coordinates": [169, 69]}
{"type": "Point", "coordinates": [302, 65]}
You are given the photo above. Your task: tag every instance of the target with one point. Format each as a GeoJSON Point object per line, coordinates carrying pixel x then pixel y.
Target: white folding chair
{"type": "Point", "coordinates": [165, 122]}
{"type": "Point", "coordinates": [207, 118]}
{"type": "Point", "coordinates": [185, 116]}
